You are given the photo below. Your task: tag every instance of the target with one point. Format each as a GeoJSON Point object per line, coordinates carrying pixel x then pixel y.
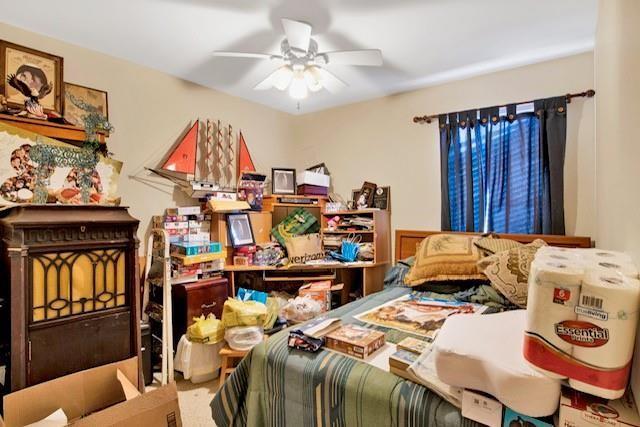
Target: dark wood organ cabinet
{"type": "Point", "coordinates": [69, 274]}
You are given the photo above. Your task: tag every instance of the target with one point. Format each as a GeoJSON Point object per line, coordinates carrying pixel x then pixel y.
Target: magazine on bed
{"type": "Point", "coordinates": [417, 314]}
{"type": "Point", "coordinates": [423, 371]}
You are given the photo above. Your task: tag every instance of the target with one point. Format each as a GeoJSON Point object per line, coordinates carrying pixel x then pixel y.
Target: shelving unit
{"type": "Point", "coordinates": [68, 133]}
{"type": "Point", "coordinates": [371, 274]}
{"type": "Point", "coordinates": [359, 278]}
{"type": "Point", "coordinates": [280, 210]}
{"type": "Point", "coordinates": [379, 235]}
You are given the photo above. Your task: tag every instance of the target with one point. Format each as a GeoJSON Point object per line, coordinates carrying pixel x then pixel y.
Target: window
{"type": "Point", "coordinates": [497, 170]}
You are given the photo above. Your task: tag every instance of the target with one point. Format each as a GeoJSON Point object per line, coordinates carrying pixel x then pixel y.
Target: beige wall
{"type": "Point", "coordinates": [150, 110]}
{"type": "Point", "coordinates": [376, 140]}
{"type": "Point", "coordinates": [617, 59]}
{"type": "Point", "coordinates": [373, 140]}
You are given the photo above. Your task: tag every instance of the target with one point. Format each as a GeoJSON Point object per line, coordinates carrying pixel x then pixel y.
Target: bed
{"type": "Point", "coordinates": [276, 386]}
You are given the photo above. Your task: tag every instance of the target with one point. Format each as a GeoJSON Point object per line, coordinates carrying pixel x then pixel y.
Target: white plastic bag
{"type": "Point", "coordinates": [243, 338]}
{"type": "Point", "coordinates": [301, 309]}
{"type": "Point", "coordinates": [197, 362]}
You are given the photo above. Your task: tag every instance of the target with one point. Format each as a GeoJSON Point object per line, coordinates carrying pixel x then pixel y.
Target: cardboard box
{"type": "Point", "coordinates": [99, 397]}
{"type": "Point", "coordinates": [578, 409]}
{"type": "Point", "coordinates": [481, 408]}
{"type": "Point", "coordinates": [320, 291]}
{"type": "Point", "coordinates": [356, 341]}
{"type": "Point", "coordinates": [184, 210]}
{"type": "Point", "coordinates": [312, 190]}
{"type": "Point", "coordinates": [313, 178]}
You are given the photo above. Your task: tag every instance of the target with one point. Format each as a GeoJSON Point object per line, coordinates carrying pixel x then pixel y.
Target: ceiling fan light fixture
{"type": "Point", "coordinates": [302, 63]}
{"type": "Point", "coordinates": [298, 88]}
{"type": "Point", "coordinates": [312, 79]}
{"type": "Point", "coordinates": [282, 78]}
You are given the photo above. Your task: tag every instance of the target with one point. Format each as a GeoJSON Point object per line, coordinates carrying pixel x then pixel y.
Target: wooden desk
{"type": "Point", "coordinates": [369, 274]}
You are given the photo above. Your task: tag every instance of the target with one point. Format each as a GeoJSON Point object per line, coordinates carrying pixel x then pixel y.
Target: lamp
{"type": "Point", "coordinates": [282, 77]}
{"type": "Point", "coordinates": [298, 88]}
{"type": "Point", "coordinates": [313, 79]}
{"type": "Point", "coordinates": [299, 78]}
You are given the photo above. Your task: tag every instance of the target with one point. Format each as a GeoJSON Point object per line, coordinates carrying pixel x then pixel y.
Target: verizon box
{"type": "Point", "coordinates": [313, 178]}
{"type": "Point", "coordinates": [578, 409]}
{"type": "Point", "coordinates": [98, 397]}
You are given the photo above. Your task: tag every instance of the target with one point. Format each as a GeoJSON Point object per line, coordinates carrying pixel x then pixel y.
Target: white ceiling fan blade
{"type": "Point", "coordinates": [330, 81]}
{"type": "Point", "coordinates": [279, 79]}
{"type": "Point", "coordinates": [298, 34]}
{"type": "Point", "coordinates": [246, 55]}
{"type": "Point", "coordinates": [367, 57]}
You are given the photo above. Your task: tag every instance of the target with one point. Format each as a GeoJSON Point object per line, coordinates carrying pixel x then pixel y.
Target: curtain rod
{"type": "Point", "coordinates": [587, 93]}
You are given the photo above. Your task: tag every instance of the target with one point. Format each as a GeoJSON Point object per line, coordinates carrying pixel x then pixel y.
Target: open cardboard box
{"type": "Point", "coordinates": [103, 396]}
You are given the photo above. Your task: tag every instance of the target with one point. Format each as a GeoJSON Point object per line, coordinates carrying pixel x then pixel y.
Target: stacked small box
{"type": "Point", "coordinates": [313, 183]}
{"type": "Point", "coordinates": [193, 255]}
{"type": "Point", "coordinates": [188, 248]}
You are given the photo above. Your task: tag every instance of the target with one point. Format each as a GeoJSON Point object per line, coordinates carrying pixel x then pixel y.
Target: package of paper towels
{"type": "Point", "coordinates": [582, 314]}
{"type": "Point", "coordinates": [554, 290]}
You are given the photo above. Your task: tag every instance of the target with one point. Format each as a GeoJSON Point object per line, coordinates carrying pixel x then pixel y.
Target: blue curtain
{"type": "Point", "coordinates": [502, 169]}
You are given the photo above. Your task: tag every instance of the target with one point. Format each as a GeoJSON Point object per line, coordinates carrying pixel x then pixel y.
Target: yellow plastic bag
{"type": "Point", "coordinates": [273, 308]}
{"type": "Point", "coordinates": [207, 330]}
{"type": "Point", "coordinates": [243, 313]}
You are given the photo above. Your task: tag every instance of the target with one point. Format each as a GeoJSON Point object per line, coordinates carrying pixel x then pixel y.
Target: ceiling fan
{"type": "Point", "coordinates": [302, 65]}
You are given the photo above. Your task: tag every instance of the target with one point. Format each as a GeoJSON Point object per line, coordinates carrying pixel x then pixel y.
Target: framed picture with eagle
{"type": "Point", "coordinates": [31, 80]}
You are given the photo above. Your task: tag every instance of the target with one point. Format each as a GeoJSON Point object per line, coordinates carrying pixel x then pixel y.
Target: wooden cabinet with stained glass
{"type": "Point", "coordinates": [70, 275]}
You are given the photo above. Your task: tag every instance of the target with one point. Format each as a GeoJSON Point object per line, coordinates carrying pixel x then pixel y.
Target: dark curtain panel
{"type": "Point", "coordinates": [503, 172]}
{"type": "Point", "coordinates": [445, 210]}
{"type": "Point", "coordinates": [552, 113]}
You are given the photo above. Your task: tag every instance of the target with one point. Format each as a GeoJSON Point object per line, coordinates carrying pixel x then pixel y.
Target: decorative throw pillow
{"type": "Point", "coordinates": [444, 257]}
{"type": "Point", "coordinates": [492, 245]}
{"type": "Point", "coordinates": [509, 270]}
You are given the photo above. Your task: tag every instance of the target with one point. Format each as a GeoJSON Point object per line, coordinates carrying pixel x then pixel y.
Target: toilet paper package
{"type": "Point", "coordinates": [582, 317]}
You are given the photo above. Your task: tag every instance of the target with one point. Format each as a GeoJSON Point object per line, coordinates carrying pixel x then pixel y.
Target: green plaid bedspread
{"type": "Point", "coordinates": [277, 386]}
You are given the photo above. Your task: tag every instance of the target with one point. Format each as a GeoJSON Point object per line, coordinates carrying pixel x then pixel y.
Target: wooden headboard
{"type": "Point", "coordinates": [407, 240]}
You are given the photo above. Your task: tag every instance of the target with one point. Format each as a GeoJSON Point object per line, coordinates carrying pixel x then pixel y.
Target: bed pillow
{"type": "Point", "coordinates": [508, 270]}
{"type": "Point", "coordinates": [492, 245]}
{"type": "Point", "coordinates": [445, 257]}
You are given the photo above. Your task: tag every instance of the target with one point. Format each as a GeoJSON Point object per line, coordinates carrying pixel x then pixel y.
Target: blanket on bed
{"type": "Point", "coordinates": [277, 386]}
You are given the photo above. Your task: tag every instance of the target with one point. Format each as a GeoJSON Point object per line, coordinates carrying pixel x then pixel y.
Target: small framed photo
{"type": "Point", "coordinates": [283, 181]}
{"type": "Point", "coordinates": [240, 231]}
{"type": "Point", "coordinates": [34, 74]}
{"type": "Point", "coordinates": [382, 197]}
{"type": "Point", "coordinates": [93, 97]}
{"type": "Point", "coordinates": [366, 195]}
{"type": "Point", "coordinates": [355, 193]}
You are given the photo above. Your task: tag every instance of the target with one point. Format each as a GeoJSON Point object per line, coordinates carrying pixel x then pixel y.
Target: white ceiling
{"type": "Point", "coordinates": [423, 42]}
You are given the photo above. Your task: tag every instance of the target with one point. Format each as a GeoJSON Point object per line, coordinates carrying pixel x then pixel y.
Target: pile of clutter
{"type": "Point", "coordinates": [246, 319]}
{"type": "Point", "coordinates": [572, 348]}
{"type": "Point", "coordinates": [265, 254]}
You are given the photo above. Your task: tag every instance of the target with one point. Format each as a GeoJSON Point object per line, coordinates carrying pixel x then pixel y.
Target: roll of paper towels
{"type": "Point", "coordinates": [558, 253]}
{"type": "Point", "coordinates": [604, 335]}
{"type": "Point", "coordinates": [554, 290]}
{"type": "Point", "coordinates": [614, 266]}
{"type": "Point", "coordinates": [605, 255]}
